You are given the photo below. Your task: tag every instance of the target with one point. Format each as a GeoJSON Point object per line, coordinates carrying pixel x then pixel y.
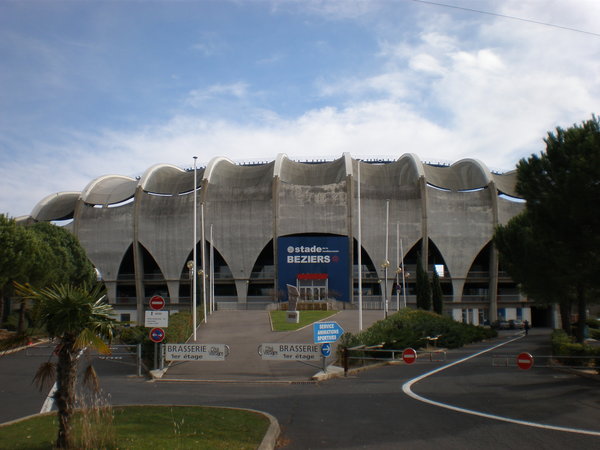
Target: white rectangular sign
{"type": "Point", "coordinates": [195, 352]}
{"type": "Point", "coordinates": [156, 319]}
{"type": "Point", "coordinates": [291, 352]}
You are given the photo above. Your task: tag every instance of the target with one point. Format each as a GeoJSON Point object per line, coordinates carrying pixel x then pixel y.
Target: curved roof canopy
{"type": "Point", "coordinates": [166, 179]}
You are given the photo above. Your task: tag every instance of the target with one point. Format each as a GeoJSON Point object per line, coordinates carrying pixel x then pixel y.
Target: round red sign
{"type": "Point", "coordinates": [525, 361]}
{"type": "Point", "coordinates": [409, 355]}
{"type": "Point", "coordinates": [157, 303]}
{"type": "Point", "coordinates": [157, 335]}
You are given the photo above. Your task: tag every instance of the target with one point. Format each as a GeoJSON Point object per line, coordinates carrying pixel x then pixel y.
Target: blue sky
{"type": "Point", "coordinates": [90, 88]}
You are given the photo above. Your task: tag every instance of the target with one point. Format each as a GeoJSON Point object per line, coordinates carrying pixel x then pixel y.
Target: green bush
{"type": "Point", "coordinates": [564, 345]}
{"type": "Point", "coordinates": [410, 328]}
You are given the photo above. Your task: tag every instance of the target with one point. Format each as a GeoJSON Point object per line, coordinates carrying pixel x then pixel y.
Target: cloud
{"type": "Point", "coordinates": [197, 97]}
{"type": "Point", "coordinates": [461, 86]}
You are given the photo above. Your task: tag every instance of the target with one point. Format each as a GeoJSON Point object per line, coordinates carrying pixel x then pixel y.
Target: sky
{"type": "Point", "coordinates": [91, 88]}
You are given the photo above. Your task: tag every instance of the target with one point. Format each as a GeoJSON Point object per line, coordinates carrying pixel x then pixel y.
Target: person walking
{"type": "Point", "coordinates": [526, 326]}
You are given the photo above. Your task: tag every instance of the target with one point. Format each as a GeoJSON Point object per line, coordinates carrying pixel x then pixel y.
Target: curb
{"type": "Point", "coordinates": [268, 442]}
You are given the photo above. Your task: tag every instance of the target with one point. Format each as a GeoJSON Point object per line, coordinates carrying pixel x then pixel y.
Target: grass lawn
{"type": "Point", "coordinates": [278, 318]}
{"type": "Point", "coordinates": [144, 427]}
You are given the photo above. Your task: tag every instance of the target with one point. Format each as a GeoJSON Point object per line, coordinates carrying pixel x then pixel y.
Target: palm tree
{"type": "Point", "coordinates": [77, 317]}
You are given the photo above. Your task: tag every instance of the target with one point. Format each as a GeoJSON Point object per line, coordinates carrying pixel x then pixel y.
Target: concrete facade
{"type": "Point", "coordinates": [139, 232]}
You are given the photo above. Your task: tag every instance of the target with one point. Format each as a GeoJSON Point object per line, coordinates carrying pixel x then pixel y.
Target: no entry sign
{"type": "Point", "coordinates": [409, 355]}
{"type": "Point", "coordinates": [157, 303]}
{"type": "Point", "coordinates": [525, 361]}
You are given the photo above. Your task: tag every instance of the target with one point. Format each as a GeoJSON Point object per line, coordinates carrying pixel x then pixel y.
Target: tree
{"type": "Point", "coordinates": [15, 245]}
{"type": "Point", "coordinates": [559, 231]}
{"type": "Point", "coordinates": [78, 318]}
{"type": "Point", "coordinates": [41, 255]}
{"type": "Point", "coordinates": [423, 287]}
{"type": "Point", "coordinates": [537, 272]}
{"type": "Point", "coordinates": [436, 293]}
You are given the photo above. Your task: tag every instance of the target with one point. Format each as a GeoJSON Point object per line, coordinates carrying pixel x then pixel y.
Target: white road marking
{"type": "Point", "coordinates": [406, 388]}
{"type": "Point", "coordinates": [49, 402]}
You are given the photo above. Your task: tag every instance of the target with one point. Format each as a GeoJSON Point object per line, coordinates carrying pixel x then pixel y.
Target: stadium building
{"type": "Point", "coordinates": [268, 225]}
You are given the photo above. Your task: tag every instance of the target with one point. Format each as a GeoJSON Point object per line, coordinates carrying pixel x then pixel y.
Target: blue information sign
{"type": "Point", "coordinates": [326, 332]}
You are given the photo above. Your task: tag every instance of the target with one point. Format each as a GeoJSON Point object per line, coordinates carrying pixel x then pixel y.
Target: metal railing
{"type": "Point", "coordinates": [377, 353]}
{"type": "Point", "coordinates": [123, 353]}
{"type": "Point", "coordinates": [553, 361]}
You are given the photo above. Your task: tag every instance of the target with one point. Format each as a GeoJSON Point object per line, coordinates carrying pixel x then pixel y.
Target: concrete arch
{"type": "Point", "coordinates": [506, 183]}
{"type": "Point", "coordinates": [472, 174]}
{"type": "Point", "coordinates": [59, 206]}
{"type": "Point", "coordinates": [109, 189]}
{"type": "Point", "coordinates": [227, 174]}
{"type": "Point", "coordinates": [313, 174]}
{"type": "Point", "coordinates": [166, 179]}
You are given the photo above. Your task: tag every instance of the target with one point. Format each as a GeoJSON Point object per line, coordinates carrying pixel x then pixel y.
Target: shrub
{"type": "Point", "coordinates": [410, 328]}
{"type": "Point", "coordinates": [564, 345]}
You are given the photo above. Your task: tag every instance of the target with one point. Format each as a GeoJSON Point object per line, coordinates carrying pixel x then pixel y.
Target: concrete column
{"type": "Point", "coordinates": [138, 261]}
{"type": "Point", "coordinates": [275, 198]}
{"type": "Point", "coordinates": [493, 284]}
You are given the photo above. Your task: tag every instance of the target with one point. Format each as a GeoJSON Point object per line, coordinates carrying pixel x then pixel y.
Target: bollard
{"type": "Point", "coordinates": [345, 360]}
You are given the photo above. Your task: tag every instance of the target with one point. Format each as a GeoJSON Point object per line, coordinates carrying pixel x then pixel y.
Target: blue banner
{"type": "Point", "coordinates": [304, 261]}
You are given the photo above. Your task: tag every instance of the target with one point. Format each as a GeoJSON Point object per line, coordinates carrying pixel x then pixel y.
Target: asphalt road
{"type": "Point", "coordinates": [370, 409]}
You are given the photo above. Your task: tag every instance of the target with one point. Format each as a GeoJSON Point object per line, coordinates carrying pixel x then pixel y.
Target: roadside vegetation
{"type": "Point", "coordinates": [552, 249]}
{"type": "Point", "coordinates": [280, 323]}
{"type": "Point", "coordinates": [143, 427]}
{"type": "Point", "coordinates": [410, 328]}
{"type": "Point", "coordinates": [575, 353]}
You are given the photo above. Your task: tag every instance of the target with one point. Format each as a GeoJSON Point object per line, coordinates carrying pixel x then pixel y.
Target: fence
{"type": "Point", "coordinates": [375, 353]}
{"type": "Point", "coordinates": [126, 354]}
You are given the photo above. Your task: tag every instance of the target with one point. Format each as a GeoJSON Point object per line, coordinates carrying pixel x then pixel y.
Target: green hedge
{"type": "Point", "coordinates": [564, 345]}
{"type": "Point", "coordinates": [410, 328]}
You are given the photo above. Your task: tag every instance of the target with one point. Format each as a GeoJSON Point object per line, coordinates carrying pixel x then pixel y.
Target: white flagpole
{"type": "Point", "coordinates": [360, 309]}
{"type": "Point", "coordinates": [403, 274]}
{"type": "Point", "coordinates": [203, 250]}
{"type": "Point", "coordinates": [195, 268]}
{"type": "Point", "coordinates": [397, 265]}
{"type": "Point", "coordinates": [212, 271]}
{"type": "Point", "coordinates": [386, 262]}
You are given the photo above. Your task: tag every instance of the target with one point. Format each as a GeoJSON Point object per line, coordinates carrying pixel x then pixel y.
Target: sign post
{"type": "Point", "coordinates": [525, 361]}
{"type": "Point", "coordinates": [409, 355]}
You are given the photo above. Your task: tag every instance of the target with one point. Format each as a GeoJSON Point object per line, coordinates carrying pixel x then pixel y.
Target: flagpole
{"type": "Point", "coordinates": [203, 253]}
{"type": "Point", "coordinates": [195, 258]}
{"type": "Point", "coordinates": [360, 305]}
{"type": "Point", "coordinates": [212, 272]}
{"type": "Point", "coordinates": [397, 265]}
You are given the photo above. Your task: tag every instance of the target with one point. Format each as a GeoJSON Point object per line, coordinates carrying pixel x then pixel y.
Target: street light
{"type": "Point", "coordinates": [190, 266]}
{"type": "Point", "coordinates": [384, 266]}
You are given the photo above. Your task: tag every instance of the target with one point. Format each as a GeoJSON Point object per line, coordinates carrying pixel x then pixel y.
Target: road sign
{"type": "Point", "coordinates": [326, 349]}
{"type": "Point", "coordinates": [409, 355]}
{"type": "Point", "coordinates": [155, 319]}
{"type": "Point", "coordinates": [326, 332]}
{"type": "Point", "coordinates": [157, 303]}
{"type": "Point", "coordinates": [525, 361]}
{"type": "Point", "coordinates": [290, 352]}
{"type": "Point", "coordinates": [195, 352]}
{"type": "Point", "coordinates": [157, 335]}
